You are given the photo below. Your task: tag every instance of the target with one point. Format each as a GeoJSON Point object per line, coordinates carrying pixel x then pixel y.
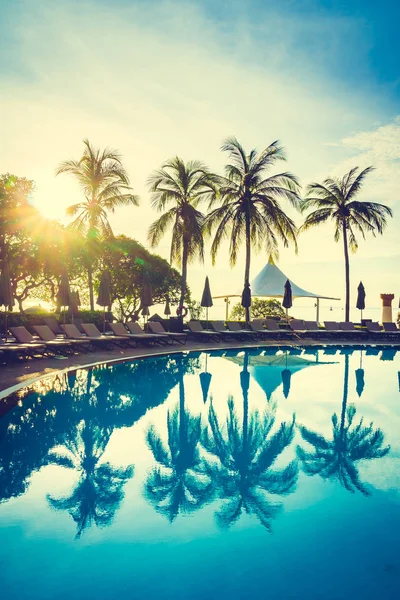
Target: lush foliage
{"type": "Point", "coordinates": [260, 308]}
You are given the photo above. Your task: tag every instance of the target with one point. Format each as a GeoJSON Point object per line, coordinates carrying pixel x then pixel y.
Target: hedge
{"type": "Point", "coordinates": [15, 319]}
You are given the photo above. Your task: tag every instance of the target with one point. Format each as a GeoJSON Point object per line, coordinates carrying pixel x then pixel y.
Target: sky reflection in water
{"type": "Point", "coordinates": [199, 475]}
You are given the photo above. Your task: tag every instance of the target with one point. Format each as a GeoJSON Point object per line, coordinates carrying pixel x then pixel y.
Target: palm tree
{"type": "Point", "coordinates": [180, 482]}
{"type": "Point", "coordinates": [350, 443]}
{"type": "Point", "coordinates": [105, 185]}
{"type": "Point", "coordinates": [250, 204]}
{"type": "Point", "coordinates": [184, 185]}
{"type": "Point", "coordinates": [99, 491]}
{"type": "Point", "coordinates": [246, 454]}
{"type": "Point", "coordinates": [334, 200]}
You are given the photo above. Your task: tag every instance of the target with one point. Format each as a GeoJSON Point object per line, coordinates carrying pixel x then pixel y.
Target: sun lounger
{"type": "Point", "coordinates": [332, 326]}
{"type": "Point", "coordinates": [272, 326]}
{"type": "Point", "coordinates": [375, 331]}
{"type": "Point", "coordinates": [47, 335]}
{"type": "Point", "coordinates": [197, 331]}
{"type": "Point", "coordinates": [244, 333]}
{"type": "Point", "coordinates": [73, 333]}
{"type": "Point", "coordinates": [23, 336]}
{"type": "Point", "coordinates": [218, 326]}
{"type": "Point", "coordinates": [54, 325]}
{"type": "Point", "coordinates": [159, 338]}
{"type": "Point", "coordinates": [258, 327]}
{"type": "Point", "coordinates": [120, 330]}
{"type": "Point", "coordinates": [94, 333]}
{"type": "Point", "coordinates": [15, 351]}
{"type": "Point", "coordinates": [156, 327]}
{"type": "Point", "coordinates": [391, 328]}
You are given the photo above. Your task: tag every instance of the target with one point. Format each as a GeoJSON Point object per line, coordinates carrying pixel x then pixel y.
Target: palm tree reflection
{"type": "Point", "coordinates": [351, 442]}
{"type": "Point", "coordinates": [179, 484]}
{"type": "Point", "coordinates": [99, 491]}
{"type": "Point", "coordinates": [246, 453]}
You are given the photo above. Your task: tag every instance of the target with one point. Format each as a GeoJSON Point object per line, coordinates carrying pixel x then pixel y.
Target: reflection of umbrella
{"type": "Point", "coordinates": [287, 297]}
{"type": "Point", "coordinates": [205, 380]}
{"type": "Point", "coordinates": [104, 296]}
{"type": "Point", "coordinates": [286, 376]}
{"type": "Point", "coordinates": [6, 295]}
{"type": "Point", "coordinates": [360, 383]}
{"type": "Point", "coordinates": [167, 309]}
{"type": "Point", "coordinates": [360, 297]}
{"type": "Point", "coordinates": [206, 299]}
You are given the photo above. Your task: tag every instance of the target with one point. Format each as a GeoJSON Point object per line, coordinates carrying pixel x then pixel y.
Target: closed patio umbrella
{"type": "Point", "coordinates": [246, 298]}
{"type": "Point", "coordinates": [360, 297]}
{"type": "Point", "coordinates": [146, 299]}
{"type": "Point", "coordinates": [6, 295]}
{"type": "Point", "coordinates": [287, 301]}
{"type": "Point", "coordinates": [64, 292]}
{"type": "Point", "coordinates": [75, 303]}
{"type": "Point", "coordinates": [167, 309]}
{"type": "Point", "coordinates": [206, 298]}
{"type": "Point", "coordinates": [104, 295]}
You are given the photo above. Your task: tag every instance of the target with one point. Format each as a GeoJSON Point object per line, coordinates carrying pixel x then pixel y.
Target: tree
{"type": "Point", "coordinates": [350, 443]}
{"type": "Point", "coordinates": [105, 185]}
{"type": "Point", "coordinates": [244, 476]}
{"type": "Point", "coordinates": [179, 483]}
{"type": "Point", "coordinates": [259, 309]}
{"type": "Point", "coordinates": [184, 185]}
{"type": "Point", "coordinates": [334, 200]}
{"type": "Point", "coordinates": [130, 264]}
{"type": "Point", "coordinates": [250, 204]}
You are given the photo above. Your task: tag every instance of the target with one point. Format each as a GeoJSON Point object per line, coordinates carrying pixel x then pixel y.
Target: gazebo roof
{"type": "Point", "coordinates": [270, 283]}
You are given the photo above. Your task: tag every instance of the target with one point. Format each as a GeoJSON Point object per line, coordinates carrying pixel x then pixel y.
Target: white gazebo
{"type": "Point", "coordinates": [270, 283]}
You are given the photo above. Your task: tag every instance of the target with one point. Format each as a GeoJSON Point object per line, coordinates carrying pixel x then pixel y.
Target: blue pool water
{"type": "Point", "coordinates": [246, 475]}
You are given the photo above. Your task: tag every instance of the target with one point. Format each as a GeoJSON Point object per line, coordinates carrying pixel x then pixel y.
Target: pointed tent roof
{"type": "Point", "coordinates": [270, 283]}
{"type": "Point", "coordinates": [271, 280]}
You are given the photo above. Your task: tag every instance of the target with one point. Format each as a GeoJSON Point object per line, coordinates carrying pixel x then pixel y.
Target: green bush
{"type": "Point", "coordinates": [28, 320]}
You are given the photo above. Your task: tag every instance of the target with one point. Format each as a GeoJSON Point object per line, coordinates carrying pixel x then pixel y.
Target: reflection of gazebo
{"type": "Point", "coordinates": [267, 370]}
{"type": "Point", "coordinates": [270, 283]}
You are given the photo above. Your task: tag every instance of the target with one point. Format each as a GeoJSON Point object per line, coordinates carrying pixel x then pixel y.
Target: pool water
{"type": "Point", "coordinates": [262, 474]}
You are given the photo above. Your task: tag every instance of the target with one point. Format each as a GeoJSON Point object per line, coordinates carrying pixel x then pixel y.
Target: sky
{"type": "Point", "coordinates": [158, 78]}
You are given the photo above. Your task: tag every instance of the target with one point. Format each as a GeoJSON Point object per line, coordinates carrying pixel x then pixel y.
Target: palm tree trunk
{"type": "Point", "coordinates": [90, 283]}
{"type": "Point", "coordinates": [347, 272]}
{"type": "Point", "coordinates": [184, 276]}
{"type": "Point", "coordinates": [247, 266]}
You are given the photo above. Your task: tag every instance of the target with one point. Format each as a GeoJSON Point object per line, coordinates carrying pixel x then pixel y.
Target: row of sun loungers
{"type": "Point", "coordinates": [54, 339]}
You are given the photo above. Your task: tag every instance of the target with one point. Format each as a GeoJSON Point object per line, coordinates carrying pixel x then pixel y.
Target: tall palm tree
{"type": "Point", "coordinates": [105, 185]}
{"type": "Point", "coordinates": [250, 204]}
{"type": "Point", "coordinates": [246, 454]}
{"type": "Point", "coordinates": [179, 483]}
{"type": "Point", "coordinates": [334, 199]}
{"type": "Point", "coordinates": [184, 185]}
{"type": "Point", "coordinates": [350, 443]}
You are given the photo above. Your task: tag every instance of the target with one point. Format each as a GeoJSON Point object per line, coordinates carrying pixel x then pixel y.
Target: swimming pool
{"type": "Point", "coordinates": [269, 473]}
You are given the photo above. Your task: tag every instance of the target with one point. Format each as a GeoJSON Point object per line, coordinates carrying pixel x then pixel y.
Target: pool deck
{"type": "Point", "coordinates": [18, 375]}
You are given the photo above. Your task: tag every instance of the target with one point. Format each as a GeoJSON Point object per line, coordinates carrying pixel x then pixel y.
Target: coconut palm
{"type": "Point", "coordinates": [185, 186]}
{"type": "Point", "coordinates": [179, 483]}
{"type": "Point", "coordinates": [351, 442]}
{"type": "Point", "coordinates": [250, 207]}
{"type": "Point", "coordinates": [334, 200]}
{"type": "Point", "coordinates": [99, 491]}
{"type": "Point", "coordinates": [105, 185]}
{"type": "Point", "coordinates": [246, 453]}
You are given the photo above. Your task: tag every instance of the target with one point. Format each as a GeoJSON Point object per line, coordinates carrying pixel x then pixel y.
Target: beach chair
{"type": "Point", "coordinates": [94, 333]}
{"type": "Point", "coordinates": [120, 330]}
{"type": "Point", "coordinates": [26, 339]}
{"type": "Point", "coordinates": [135, 328]}
{"type": "Point", "coordinates": [197, 331]}
{"type": "Point", "coordinates": [218, 326]}
{"type": "Point", "coordinates": [391, 329]}
{"type": "Point", "coordinates": [46, 335]}
{"type": "Point", "coordinates": [375, 330]}
{"type": "Point", "coordinates": [16, 351]}
{"type": "Point", "coordinates": [156, 327]}
{"type": "Point", "coordinates": [244, 333]}
{"type": "Point", "coordinates": [258, 327]}
{"type": "Point", "coordinates": [53, 325]}
{"type": "Point", "coordinates": [73, 333]}
{"type": "Point", "coordinates": [272, 327]}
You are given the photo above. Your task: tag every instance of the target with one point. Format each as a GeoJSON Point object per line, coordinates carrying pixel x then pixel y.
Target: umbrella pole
{"type": "Point", "coordinates": [207, 316]}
